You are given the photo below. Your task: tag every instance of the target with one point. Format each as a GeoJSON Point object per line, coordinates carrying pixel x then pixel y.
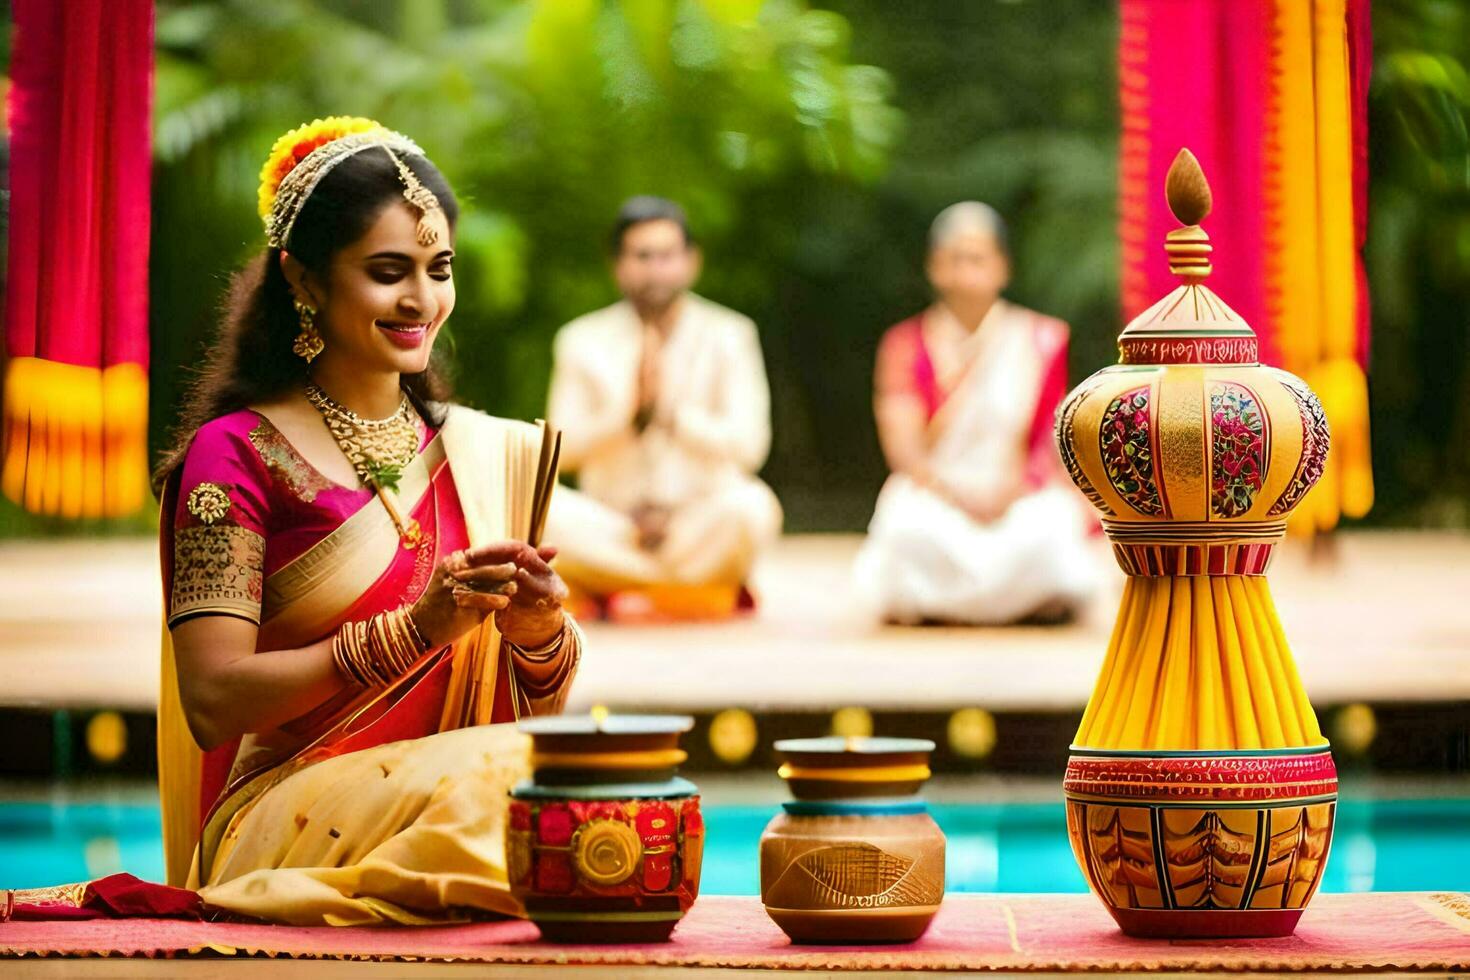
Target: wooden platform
{"type": "Point", "coordinates": [79, 624]}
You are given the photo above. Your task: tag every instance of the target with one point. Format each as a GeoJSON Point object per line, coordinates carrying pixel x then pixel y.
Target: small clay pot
{"type": "Point", "coordinates": [605, 841]}
{"type": "Point", "coordinates": [855, 858]}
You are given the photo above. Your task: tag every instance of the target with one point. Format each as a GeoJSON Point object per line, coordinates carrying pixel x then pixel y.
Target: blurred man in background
{"type": "Point", "coordinates": [976, 523]}
{"type": "Point", "coordinates": [665, 407]}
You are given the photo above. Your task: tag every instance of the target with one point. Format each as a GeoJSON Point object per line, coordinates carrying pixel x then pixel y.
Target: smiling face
{"type": "Point", "coordinates": [384, 297]}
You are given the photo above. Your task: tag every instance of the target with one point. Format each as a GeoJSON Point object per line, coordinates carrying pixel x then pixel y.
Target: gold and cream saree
{"type": "Point", "coordinates": [385, 805]}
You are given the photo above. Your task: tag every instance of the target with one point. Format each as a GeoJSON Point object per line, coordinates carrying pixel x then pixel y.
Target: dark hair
{"type": "Point", "coordinates": [646, 207]}
{"type": "Point", "coordinates": [251, 359]}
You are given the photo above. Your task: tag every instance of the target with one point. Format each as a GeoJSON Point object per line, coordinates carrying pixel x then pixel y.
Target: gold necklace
{"type": "Point", "coordinates": [378, 450]}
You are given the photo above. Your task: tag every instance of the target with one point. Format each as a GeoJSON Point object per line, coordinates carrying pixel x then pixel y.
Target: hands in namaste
{"type": "Point", "coordinates": [652, 522]}
{"type": "Point", "coordinates": [648, 376]}
{"type": "Point", "coordinates": [507, 578]}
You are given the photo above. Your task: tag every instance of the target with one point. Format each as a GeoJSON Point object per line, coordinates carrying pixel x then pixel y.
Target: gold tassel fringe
{"type": "Point", "coordinates": [1198, 663]}
{"type": "Point", "coordinates": [76, 438]}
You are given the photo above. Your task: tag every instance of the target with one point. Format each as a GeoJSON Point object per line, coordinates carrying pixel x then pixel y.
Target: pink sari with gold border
{"type": "Point", "coordinates": [328, 555]}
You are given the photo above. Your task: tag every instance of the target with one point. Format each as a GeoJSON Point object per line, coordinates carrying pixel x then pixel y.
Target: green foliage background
{"type": "Point", "coordinates": [1418, 259]}
{"type": "Point", "coordinates": [812, 142]}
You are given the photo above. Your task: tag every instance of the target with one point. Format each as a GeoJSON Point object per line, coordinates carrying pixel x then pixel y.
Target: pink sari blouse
{"type": "Point", "coordinates": [905, 368]}
{"type": "Point", "coordinates": [247, 505]}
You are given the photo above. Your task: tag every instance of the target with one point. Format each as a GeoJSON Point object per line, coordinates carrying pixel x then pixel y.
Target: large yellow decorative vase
{"type": "Point", "coordinates": [1200, 792]}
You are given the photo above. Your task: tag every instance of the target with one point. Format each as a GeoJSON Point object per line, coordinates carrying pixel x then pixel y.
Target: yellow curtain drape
{"type": "Point", "coordinates": [75, 438]}
{"type": "Point", "coordinates": [1313, 294]}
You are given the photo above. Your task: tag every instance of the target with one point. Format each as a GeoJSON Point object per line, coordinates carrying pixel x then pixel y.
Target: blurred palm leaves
{"type": "Point", "coordinates": [546, 113]}
{"type": "Point", "coordinates": [543, 114]}
{"type": "Point", "coordinates": [767, 120]}
{"type": "Point", "coordinates": [1418, 259]}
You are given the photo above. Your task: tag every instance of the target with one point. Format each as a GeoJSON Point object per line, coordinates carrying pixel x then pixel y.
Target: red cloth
{"type": "Point", "coordinates": [1384, 931]}
{"type": "Point", "coordinates": [116, 896]}
{"type": "Point", "coordinates": [904, 365]}
{"type": "Point", "coordinates": [79, 117]}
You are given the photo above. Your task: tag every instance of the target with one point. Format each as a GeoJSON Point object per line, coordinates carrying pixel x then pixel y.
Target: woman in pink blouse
{"type": "Point", "coordinates": [352, 605]}
{"type": "Point", "coordinates": [974, 525]}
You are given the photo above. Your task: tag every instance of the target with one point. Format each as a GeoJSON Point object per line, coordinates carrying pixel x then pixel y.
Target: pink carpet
{"type": "Point", "coordinates": [1386, 931]}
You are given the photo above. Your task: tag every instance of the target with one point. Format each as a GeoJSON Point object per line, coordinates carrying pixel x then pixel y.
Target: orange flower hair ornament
{"type": "Point", "coordinates": [301, 158]}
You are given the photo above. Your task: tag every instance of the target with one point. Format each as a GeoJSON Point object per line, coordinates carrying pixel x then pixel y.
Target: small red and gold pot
{"type": "Point", "coordinates": [605, 841]}
{"type": "Point", "coordinates": [1202, 844]}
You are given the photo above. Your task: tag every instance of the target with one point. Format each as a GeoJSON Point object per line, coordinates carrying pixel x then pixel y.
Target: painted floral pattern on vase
{"type": "Point", "coordinates": [1127, 451]}
{"type": "Point", "coordinates": [1237, 449]}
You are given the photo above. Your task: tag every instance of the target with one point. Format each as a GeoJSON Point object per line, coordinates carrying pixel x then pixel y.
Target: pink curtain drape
{"type": "Point", "coordinates": [1194, 73]}
{"type": "Point", "coordinates": [76, 310]}
{"type": "Point", "coordinates": [1271, 96]}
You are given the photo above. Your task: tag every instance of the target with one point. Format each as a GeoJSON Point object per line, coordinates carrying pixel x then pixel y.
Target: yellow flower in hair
{"type": "Point", "coordinates": [296, 145]}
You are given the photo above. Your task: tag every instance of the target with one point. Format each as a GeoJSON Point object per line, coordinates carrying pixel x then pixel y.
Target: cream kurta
{"type": "Point", "coordinates": [710, 432]}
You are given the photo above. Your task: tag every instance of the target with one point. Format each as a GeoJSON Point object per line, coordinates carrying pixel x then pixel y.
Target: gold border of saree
{"type": "Point", "coordinates": [307, 597]}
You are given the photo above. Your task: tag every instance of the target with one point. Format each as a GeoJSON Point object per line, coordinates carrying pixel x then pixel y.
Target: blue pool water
{"type": "Point", "coordinates": [1385, 845]}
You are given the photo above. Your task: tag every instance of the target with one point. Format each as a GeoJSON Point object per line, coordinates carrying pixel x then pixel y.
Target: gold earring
{"type": "Point", "coordinates": [308, 343]}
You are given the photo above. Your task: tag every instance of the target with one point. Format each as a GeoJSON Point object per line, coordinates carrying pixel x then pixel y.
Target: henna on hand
{"type": "Point", "coordinates": [534, 614]}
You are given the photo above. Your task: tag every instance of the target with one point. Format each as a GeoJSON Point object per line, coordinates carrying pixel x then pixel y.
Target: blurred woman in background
{"type": "Point", "coordinates": [977, 523]}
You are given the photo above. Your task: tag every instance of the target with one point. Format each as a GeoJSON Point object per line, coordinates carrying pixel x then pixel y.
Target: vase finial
{"type": "Point", "coordinates": [1189, 198]}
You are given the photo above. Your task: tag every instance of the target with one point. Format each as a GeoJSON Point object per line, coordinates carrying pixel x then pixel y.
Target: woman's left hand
{"type": "Point", "coordinates": [534, 616]}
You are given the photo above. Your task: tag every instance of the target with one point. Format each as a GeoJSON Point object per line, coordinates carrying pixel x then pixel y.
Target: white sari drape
{"type": "Point", "coordinates": [927, 559]}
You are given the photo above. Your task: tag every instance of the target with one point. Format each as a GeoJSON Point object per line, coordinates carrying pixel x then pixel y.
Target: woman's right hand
{"type": "Point", "coordinates": [447, 609]}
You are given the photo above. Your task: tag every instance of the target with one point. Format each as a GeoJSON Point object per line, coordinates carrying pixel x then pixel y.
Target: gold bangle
{"type": "Point", "coordinates": [563, 664]}
{"type": "Point", "coordinates": [366, 645]}
{"type": "Point", "coordinates": [354, 653]}
{"type": "Point", "coordinates": [386, 645]}
{"type": "Point", "coordinates": [380, 650]}
{"type": "Point", "coordinates": [374, 651]}
{"type": "Point", "coordinates": [385, 651]}
{"type": "Point", "coordinates": [414, 632]}
{"type": "Point", "coordinates": [546, 651]}
{"type": "Point", "coordinates": [363, 650]}
{"type": "Point", "coordinates": [345, 655]}
{"type": "Point", "coordinates": [407, 634]}
{"type": "Point", "coordinates": [406, 650]}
